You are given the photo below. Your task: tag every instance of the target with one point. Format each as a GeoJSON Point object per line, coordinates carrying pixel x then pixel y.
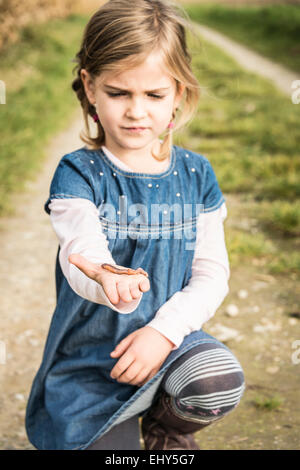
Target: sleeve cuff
{"type": "Point", "coordinates": [163, 326]}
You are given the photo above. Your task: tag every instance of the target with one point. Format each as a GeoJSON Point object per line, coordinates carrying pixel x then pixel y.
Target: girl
{"type": "Point", "coordinates": [122, 344]}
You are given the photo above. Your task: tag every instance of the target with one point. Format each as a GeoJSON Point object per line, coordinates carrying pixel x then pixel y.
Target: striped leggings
{"type": "Point", "coordinates": [205, 383]}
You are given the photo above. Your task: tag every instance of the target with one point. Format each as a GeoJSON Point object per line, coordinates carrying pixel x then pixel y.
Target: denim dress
{"type": "Point", "coordinates": [150, 222]}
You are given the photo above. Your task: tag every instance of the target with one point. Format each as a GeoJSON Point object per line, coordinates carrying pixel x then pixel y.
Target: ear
{"type": "Point", "coordinates": [179, 92]}
{"type": "Point", "coordinates": [89, 85]}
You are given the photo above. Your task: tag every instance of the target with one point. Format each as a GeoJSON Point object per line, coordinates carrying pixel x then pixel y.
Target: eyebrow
{"type": "Point", "coordinates": [147, 91]}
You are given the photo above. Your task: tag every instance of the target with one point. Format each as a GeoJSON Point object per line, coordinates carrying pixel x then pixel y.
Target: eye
{"type": "Point", "coordinates": [115, 95]}
{"type": "Point", "coordinates": [155, 96]}
{"type": "Point", "coordinates": [123, 93]}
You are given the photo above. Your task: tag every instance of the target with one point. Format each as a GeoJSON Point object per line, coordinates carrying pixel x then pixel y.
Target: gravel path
{"type": "Point", "coordinates": [250, 60]}
{"type": "Point", "coordinates": [27, 292]}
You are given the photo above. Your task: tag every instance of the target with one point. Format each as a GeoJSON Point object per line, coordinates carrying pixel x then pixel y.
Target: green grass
{"type": "Point", "coordinates": [272, 30]}
{"type": "Point", "coordinates": [242, 245]}
{"type": "Point", "coordinates": [269, 404]}
{"type": "Point", "coordinates": [282, 217]}
{"type": "Point", "coordinates": [39, 100]}
{"type": "Point", "coordinates": [249, 129]}
{"type": "Point", "coordinates": [250, 132]}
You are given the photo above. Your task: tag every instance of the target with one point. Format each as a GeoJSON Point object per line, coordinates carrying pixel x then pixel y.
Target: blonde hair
{"type": "Point", "coordinates": [120, 35]}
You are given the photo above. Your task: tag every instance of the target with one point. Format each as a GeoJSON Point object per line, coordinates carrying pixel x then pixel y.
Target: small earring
{"type": "Point", "coordinates": [95, 116]}
{"type": "Point", "coordinates": [171, 125]}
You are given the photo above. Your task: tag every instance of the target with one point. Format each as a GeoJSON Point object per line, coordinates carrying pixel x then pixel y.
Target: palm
{"type": "Point", "coordinates": [116, 286]}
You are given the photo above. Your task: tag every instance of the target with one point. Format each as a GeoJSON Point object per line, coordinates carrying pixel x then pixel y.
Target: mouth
{"type": "Point", "coordinates": [135, 129]}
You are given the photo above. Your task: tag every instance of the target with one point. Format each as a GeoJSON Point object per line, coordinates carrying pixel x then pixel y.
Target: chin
{"type": "Point", "coordinates": [135, 144]}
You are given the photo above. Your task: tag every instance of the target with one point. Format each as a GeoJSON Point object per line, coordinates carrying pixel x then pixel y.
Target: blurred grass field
{"type": "Point", "coordinates": [37, 71]}
{"type": "Point", "coordinates": [246, 128]}
{"type": "Point", "coordinates": [250, 132]}
{"type": "Point", "coordinates": [271, 30]}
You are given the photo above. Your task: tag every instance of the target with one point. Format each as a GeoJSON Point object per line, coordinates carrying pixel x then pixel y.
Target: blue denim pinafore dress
{"type": "Point", "coordinates": [150, 221]}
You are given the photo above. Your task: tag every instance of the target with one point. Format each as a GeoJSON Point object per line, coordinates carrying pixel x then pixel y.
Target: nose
{"type": "Point", "coordinates": [136, 109]}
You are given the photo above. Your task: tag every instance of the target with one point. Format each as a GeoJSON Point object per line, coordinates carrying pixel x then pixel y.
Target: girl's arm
{"type": "Point", "coordinates": [187, 310]}
{"type": "Point", "coordinates": [77, 227]}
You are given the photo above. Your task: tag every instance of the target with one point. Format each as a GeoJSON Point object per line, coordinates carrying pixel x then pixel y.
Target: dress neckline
{"type": "Point", "coordinates": [132, 173]}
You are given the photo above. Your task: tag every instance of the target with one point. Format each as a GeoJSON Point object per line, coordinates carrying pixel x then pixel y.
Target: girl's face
{"type": "Point", "coordinates": [135, 106]}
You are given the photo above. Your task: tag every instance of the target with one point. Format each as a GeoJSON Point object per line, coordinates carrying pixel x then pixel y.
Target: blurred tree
{"type": "Point", "coordinates": [14, 15]}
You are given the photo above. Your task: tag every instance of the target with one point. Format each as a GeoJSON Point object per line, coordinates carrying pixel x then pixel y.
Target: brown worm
{"type": "Point", "coordinates": [116, 270]}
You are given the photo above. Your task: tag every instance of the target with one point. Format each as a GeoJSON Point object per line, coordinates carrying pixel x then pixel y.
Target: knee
{"type": "Point", "coordinates": [210, 388]}
{"type": "Point", "coordinates": [229, 392]}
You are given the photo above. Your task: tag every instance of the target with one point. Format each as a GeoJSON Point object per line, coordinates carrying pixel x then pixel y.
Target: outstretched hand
{"type": "Point", "coordinates": [116, 286]}
{"type": "Point", "coordinates": [141, 353]}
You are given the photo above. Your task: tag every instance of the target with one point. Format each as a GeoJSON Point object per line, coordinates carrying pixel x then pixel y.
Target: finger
{"type": "Point", "coordinates": [124, 291]}
{"type": "Point", "coordinates": [122, 346]}
{"type": "Point", "coordinates": [110, 288]}
{"type": "Point", "coordinates": [141, 378]}
{"type": "Point", "coordinates": [142, 382]}
{"type": "Point", "coordinates": [134, 291]}
{"type": "Point", "coordinates": [122, 364]}
{"type": "Point", "coordinates": [144, 284]}
{"type": "Point", "coordinates": [131, 373]}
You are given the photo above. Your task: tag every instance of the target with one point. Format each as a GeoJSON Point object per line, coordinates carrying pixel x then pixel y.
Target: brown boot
{"type": "Point", "coordinates": [163, 429]}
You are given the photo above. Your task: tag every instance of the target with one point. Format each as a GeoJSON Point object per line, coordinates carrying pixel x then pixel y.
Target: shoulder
{"type": "Point", "coordinates": [73, 177]}
{"type": "Point", "coordinates": [82, 156]}
{"type": "Point", "coordinates": [80, 163]}
{"type": "Point", "coordinates": [202, 178]}
{"type": "Point", "coordinates": [195, 160]}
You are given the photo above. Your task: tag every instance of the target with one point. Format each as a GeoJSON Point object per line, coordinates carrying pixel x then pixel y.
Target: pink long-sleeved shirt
{"type": "Point", "coordinates": [78, 228]}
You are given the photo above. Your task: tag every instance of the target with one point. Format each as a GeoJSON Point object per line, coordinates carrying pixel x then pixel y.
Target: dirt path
{"type": "Point", "coordinates": [261, 335]}
{"type": "Point", "coordinates": [250, 60]}
{"type": "Point", "coordinates": [27, 291]}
